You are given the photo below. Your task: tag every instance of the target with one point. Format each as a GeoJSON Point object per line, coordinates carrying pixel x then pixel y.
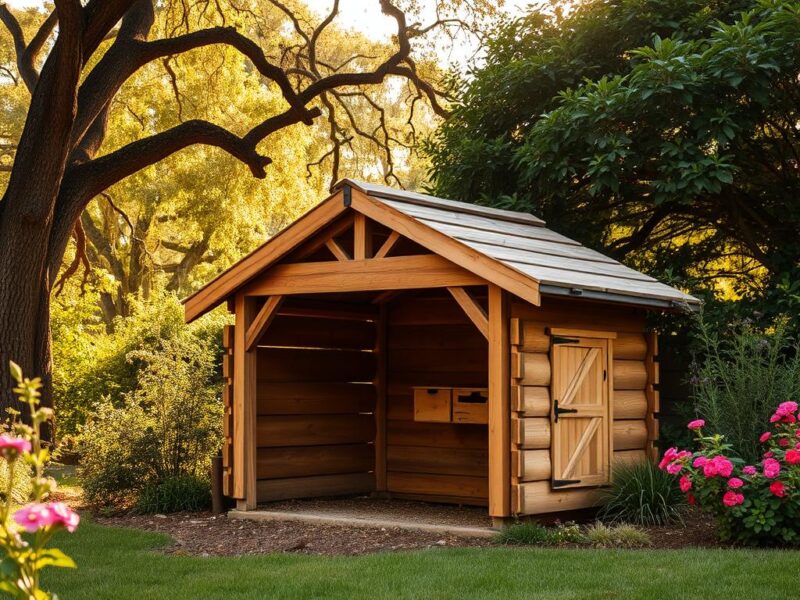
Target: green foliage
{"type": "Point", "coordinates": [641, 494]}
{"type": "Point", "coordinates": [16, 479]}
{"type": "Point", "coordinates": [620, 535]}
{"type": "Point", "coordinates": [660, 131]}
{"type": "Point", "coordinates": [744, 373]}
{"type": "Point", "coordinates": [175, 494]}
{"type": "Point", "coordinates": [530, 533]}
{"type": "Point", "coordinates": [168, 426]}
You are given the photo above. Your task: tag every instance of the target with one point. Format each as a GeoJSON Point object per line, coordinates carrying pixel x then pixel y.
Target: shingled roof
{"type": "Point", "coordinates": [498, 245]}
{"type": "Point", "coordinates": [521, 241]}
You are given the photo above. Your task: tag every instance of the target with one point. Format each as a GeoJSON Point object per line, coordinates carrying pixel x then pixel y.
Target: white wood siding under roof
{"type": "Point", "coordinates": [522, 242]}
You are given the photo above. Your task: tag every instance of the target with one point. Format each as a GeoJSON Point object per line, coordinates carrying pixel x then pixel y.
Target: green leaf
{"type": "Point", "coordinates": [53, 557]}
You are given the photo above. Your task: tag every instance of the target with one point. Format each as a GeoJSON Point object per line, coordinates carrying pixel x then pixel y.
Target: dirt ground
{"type": "Point", "coordinates": [204, 534]}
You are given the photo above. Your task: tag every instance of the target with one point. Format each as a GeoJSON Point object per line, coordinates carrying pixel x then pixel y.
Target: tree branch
{"type": "Point", "coordinates": [25, 67]}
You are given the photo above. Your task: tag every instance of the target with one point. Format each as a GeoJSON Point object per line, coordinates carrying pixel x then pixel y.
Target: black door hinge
{"type": "Point", "coordinates": [557, 483]}
{"type": "Point", "coordinates": [560, 411]}
{"type": "Point", "coordinates": [557, 339]}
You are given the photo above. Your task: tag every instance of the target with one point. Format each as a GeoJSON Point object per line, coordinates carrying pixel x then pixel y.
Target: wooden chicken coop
{"type": "Point", "coordinates": [393, 343]}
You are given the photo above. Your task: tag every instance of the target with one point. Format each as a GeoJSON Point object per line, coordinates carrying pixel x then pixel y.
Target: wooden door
{"type": "Point", "coordinates": [581, 438]}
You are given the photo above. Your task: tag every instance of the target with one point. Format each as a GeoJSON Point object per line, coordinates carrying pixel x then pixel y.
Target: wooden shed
{"type": "Point", "coordinates": [415, 347]}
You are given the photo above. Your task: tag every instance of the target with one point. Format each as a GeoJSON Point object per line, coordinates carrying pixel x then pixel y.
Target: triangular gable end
{"type": "Point", "coordinates": [477, 268]}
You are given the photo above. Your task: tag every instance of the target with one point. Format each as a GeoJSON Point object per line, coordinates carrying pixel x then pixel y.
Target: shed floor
{"type": "Point", "coordinates": [365, 511]}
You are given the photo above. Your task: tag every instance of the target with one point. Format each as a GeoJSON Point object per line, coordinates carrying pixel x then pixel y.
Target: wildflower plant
{"type": "Point", "coordinates": [26, 531]}
{"type": "Point", "coordinates": [753, 504]}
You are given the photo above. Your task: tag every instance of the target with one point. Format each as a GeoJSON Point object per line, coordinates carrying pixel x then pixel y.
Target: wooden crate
{"type": "Point", "coordinates": [470, 405]}
{"type": "Point", "coordinates": [433, 405]}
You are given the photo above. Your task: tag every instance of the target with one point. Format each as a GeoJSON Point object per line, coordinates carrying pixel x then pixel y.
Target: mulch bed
{"type": "Point", "coordinates": [204, 534]}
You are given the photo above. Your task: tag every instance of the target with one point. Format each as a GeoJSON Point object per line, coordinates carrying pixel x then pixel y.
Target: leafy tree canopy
{"type": "Point", "coordinates": [661, 131]}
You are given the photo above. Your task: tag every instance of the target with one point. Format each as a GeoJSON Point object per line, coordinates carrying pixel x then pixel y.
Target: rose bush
{"type": "Point", "coordinates": [752, 504]}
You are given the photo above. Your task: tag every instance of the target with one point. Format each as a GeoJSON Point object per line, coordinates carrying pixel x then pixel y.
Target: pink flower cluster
{"type": "Point", "coordinates": [785, 413]}
{"type": "Point", "coordinates": [40, 515]}
{"type": "Point", "coordinates": [11, 446]}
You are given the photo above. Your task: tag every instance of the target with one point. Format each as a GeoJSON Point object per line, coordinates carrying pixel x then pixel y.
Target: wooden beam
{"type": "Point", "coordinates": [394, 273]}
{"type": "Point", "coordinates": [387, 246]}
{"type": "Point", "coordinates": [362, 238]}
{"type": "Point", "coordinates": [499, 404]}
{"type": "Point", "coordinates": [472, 309]}
{"type": "Point", "coordinates": [380, 404]}
{"type": "Point", "coordinates": [251, 265]}
{"type": "Point", "coordinates": [339, 252]}
{"type": "Point", "coordinates": [457, 252]}
{"type": "Point", "coordinates": [318, 240]}
{"type": "Point", "coordinates": [244, 407]}
{"type": "Point", "coordinates": [386, 296]}
{"type": "Point", "coordinates": [265, 316]}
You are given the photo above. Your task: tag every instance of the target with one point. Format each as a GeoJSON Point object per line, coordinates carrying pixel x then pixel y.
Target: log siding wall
{"type": "Point", "coordinates": [634, 398]}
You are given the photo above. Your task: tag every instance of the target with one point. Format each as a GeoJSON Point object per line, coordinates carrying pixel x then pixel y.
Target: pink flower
{"type": "Point", "coordinates": [790, 419]}
{"type": "Point", "coordinates": [793, 457]}
{"type": "Point", "coordinates": [668, 457]}
{"type": "Point", "coordinates": [765, 436]}
{"type": "Point", "coordinates": [783, 442]}
{"type": "Point", "coordinates": [723, 465]}
{"type": "Point", "coordinates": [691, 499]}
{"type": "Point", "coordinates": [775, 418]}
{"type": "Point", "coordinates": [731, 498]}
{"type": "Point", "coordinates": [769, 454]}
{"type": "Point", "coordinates": [674, 468]}
{"type": "Point", "coordinates": [771, 468]}
{"type": "Point", "coordinates": [735, 483]}
{"type": "Point", "coordinates": [710, 469]}
{"type": "Point", "coordinates": [786, 408]}
{"type": "Point", "coordinates": [685, 483]}
{"type": "Point", "coordinates": [749, 470]}
{"type": "Point", "coordinates": [35, 516]}
{"type": "Point", "coordinates": [65, 515]}
{"type": "Point", "coordinates": [699, 462]}
{"type": "Point", "coordinates": [696, 424]}
{"type": "Point", "coordinates": [10, 445]}
{"type": "Point", "coordinates": [777, 488]}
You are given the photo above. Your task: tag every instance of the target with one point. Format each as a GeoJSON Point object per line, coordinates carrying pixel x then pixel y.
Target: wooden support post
{"type": "Point", "coordinates": [244, 407]}
{"type": "Point", "coordinates": [499, 405]}
{"type": "Point", "coordinates": [472, 309]}
{"type": "Point", "coordinates": [652, 394]}
{"type": "Point", "coordinates": [262, 321]}
{"type": "Point", "coordinates": [380, 401]}
{"type": "Point", "coordinates": [362, 240]}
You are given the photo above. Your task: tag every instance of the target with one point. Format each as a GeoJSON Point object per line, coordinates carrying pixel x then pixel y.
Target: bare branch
{"type": "Point", "coordinates": [25, 67]}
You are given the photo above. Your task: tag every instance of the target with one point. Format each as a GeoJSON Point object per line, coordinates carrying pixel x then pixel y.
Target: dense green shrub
{"type": "Point", "coordinates": [641, 494]}
{"type": "Point", "coordinates": [175, 494]}
{"type": "Point", "coordinates": [621, 535]}
{"type": "Point", "coordinates": [744, 374]}
{"type": "Point", "coordinates": [168, 427]}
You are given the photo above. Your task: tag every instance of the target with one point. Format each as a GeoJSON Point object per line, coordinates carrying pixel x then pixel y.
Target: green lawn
{"type": "Point", "coordinates": [121, 563]}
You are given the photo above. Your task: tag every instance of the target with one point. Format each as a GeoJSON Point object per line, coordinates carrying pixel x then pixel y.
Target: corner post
{"type": "Point", "coordinates": [499, 405]}
{"type": "Point", "coordinates": [244, 406]}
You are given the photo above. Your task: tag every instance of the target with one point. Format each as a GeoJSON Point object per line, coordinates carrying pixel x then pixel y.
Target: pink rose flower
{"type": "Point", "coordinates": [735, 483]}
{"type": "Point", "coordinates": [674, 468]}
{"type": "Point", "coordinates": [777, 488]}
{"type": "Point", "coordinates": [789, 419]}
{"type": "Point", "coordinates": [775, 418]}
{"type": "Point", "coordinates": [793, 457]}
{"type": "Point", "coordinates": [65, 516]}
{"type": "Point", "coordinates": [696, 424]}
{"type": "Point", "coordinates": [783, 442]}
{"type": "Point", "coordinates": [13, 445]}
{"type": "Point", "coordinates": [771, 468]}
{"type": "Point", "coordinates": [765, 436]}
{"type": "Point", "coordinates": [723, 465]}
{"type": "Point", "coordinates": [685, 483]}
{"type": "Point", "coordinates": [668, 457]}
{"type": "Point", "coordinates": [699, 462]}
{"type": "Point", "coordinates": [34, 517]}
{"type": "Point", "coordinates": [749, 470]}
{"type": "Point", "coordinates": [710, 469]}
{"type": "Point", "coordinates": [786, 408]}
{"type": "Point", "coordinates": [769, 454]}
{"type": "Point", "coordinates": [731, 498]}
{"type": "Point", "coordinates": [691, 499]}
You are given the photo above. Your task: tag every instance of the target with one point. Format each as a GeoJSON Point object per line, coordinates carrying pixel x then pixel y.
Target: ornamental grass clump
{"type": "Point", "coordinates": [642, 494]}
{"type": "Point", "coordinates": [26, 531]}
{"type": "Point", "coordinates": [757, 504]}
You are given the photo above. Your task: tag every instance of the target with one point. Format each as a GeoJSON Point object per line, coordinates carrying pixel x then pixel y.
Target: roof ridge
{"type": "Point", "coordinates": [390, 193]}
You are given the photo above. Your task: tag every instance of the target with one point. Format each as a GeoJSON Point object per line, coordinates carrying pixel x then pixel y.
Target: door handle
{"type": "Point", "coordinates": [560, 411]}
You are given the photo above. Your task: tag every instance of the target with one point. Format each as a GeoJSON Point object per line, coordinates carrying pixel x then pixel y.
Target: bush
{"type": "Point", "coordinates": [622, 535]}
{"type": "Point", "coordinates": [176, 494]}
{"type": "Point", "coordinates": [642, 494]}
{"type": "Point", "coordinates": [534, 534]}
{"type": "Point", "coordinates": [744, 374]}
{"type": "Point", "coordinates": [167, 428]}
{"type": "Point", "coordinates": [757, 505]}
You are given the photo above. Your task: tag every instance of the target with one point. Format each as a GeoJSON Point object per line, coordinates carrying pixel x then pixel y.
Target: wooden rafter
{"type": "Point", "coordinates": [318, 241]}
{"type": "Point", "coordinates": [336, 249]}
{"type": "Point", "coordinates": [387, 246]}
{"type": "Point", "coordinates": [472, 309]}
{"type": "Point", "coordinates": [264, 317]}
{"type": "Point", "coordinates": [384, 297]}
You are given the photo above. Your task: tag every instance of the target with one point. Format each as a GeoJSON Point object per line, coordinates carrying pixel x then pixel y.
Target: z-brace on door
{"type": "Point", "coordinates": [581, 447]}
